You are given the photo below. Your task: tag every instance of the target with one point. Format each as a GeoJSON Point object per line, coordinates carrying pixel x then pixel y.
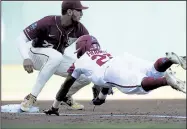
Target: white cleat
{"type": "Point", "coordinates": [181, 60]}
{"type": "Point", "coordinates": [174, 82]}
{"type": "Point", "coordinates": [28, 102]}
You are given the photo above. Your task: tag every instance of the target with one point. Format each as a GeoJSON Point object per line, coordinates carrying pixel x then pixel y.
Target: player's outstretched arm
{"type": "Point", "coordinates": [65, 87]}
{"type": "Point", "coordinates": [61, 95]}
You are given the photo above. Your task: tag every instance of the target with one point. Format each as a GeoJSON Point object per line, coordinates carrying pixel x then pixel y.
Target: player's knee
{"type": "Point", "coordinates": [56, 58]}
{"type": "Point", "coordinates": [154, 73]}
{"type": "Point", "coordinates": [83, 80]}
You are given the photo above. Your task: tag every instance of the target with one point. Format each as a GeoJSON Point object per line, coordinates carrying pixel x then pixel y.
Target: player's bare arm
{"type": "Point", "coordinates": [65, 87]}
{"type": "Point", "coordinates": [61, 95]}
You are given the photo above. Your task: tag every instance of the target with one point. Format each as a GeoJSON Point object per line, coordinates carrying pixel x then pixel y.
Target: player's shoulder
{"type": "Point", "coordinates": [50, 19]}
{"type": "Point", "coordinates": [81, 26]}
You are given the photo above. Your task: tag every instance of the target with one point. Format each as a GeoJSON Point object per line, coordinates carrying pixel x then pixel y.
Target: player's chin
{"type": "Point", "coordinates": [77, 19]}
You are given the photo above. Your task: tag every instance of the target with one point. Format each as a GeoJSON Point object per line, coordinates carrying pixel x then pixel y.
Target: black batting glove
{"type": "Point", "coordinates": [51, 111]}
{"type": "Point", "coordinates": [98, 101]}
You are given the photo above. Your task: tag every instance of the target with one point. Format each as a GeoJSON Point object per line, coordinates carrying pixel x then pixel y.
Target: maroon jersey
{"type": "Point", "coordinates": [48, 32]}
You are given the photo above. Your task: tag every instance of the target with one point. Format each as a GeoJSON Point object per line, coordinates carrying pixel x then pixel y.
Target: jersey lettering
{"type": "Point", "coordinates": [101, 59]}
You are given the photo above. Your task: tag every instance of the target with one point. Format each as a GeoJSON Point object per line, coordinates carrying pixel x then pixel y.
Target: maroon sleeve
{"type": "Point", "coordinates": [38, 28]}
{"type": "Point", "coordinates": [82, 30]}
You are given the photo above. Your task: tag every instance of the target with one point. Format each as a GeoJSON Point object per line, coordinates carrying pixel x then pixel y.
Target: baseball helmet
{"type": "Point", "coordinates": [86, 43]}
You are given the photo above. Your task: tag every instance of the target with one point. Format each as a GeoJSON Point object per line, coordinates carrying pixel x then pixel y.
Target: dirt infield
{"type": "Point", "coordinates": [135, 107]}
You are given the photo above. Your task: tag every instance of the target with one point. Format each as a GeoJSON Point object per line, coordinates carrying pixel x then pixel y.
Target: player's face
{"type": "Point", "coordinates": [76, 14]}
{"type": "Point", "coordinates": [95, 46]}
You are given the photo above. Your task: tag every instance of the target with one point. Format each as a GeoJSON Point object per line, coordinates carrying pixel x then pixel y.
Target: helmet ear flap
{"type": "Point", "coordinates": [81, 51]}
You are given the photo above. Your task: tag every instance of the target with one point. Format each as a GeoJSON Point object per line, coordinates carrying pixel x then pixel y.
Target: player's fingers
{"type": "Point", "coordinates": [26, 68]}
{"type": "Point", "coordinates": [30, 69]}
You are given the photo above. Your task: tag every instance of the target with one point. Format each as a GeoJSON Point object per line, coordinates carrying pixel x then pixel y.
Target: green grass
{"type": "Point", "coordinates": [94, 126]}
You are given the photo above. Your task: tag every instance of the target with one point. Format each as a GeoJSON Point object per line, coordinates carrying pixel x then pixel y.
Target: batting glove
{"type": "Point", "coordinates": [98, 101]}
{"type": "Point", "coordinates": [51, 111]}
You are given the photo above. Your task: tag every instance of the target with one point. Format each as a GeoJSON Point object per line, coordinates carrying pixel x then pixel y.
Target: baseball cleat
{"type": "Point", "coordinates": [181, 60]}
{"type": "Point", "coordinates": [28, 102]}
{"type": "Point", "coordinates": [71, 104]}
{"type": "Point", "coordinates": [174, 82]}
{"type": "Point", "coordinates": [51, 111]}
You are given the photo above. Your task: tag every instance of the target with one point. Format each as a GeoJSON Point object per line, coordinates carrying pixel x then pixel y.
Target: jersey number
{"type": "Point", "coordinates": [101, 59]}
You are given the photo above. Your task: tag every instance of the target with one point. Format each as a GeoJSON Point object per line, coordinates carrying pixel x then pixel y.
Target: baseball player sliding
{"type": "Point", "coordinates": [129, 74]}
{"type": "Point", "coordinates": [50, 37]}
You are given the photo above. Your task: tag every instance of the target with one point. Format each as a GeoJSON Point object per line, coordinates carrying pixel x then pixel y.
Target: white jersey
{"type": "Point", "coordinates": [128, 67]}
{"type": "Point", "coordinates": [126, 72]}
{"type": "Point", "coordinates": [93, 65]}
{"type": "Point", "coordinates": [123, 72]}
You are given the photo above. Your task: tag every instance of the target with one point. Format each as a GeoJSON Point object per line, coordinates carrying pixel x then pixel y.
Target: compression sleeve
{"type": "Point", "coordinates": [23, 46]}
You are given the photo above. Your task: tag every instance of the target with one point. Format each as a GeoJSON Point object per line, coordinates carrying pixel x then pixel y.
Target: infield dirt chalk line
{"type": "Point", "coordinates": [115, 115]}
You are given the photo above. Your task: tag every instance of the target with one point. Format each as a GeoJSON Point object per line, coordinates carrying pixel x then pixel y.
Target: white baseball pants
{"type": "Point", "coordinates": [49, 61]}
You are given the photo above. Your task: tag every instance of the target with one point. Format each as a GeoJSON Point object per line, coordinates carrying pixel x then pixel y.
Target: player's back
{"type": "Point", "coordinates": [127, 61]}
{"type": "Point", "coordinates": [92, 64]}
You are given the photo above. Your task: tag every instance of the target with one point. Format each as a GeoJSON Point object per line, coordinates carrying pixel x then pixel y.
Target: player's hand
{"type": "Point", "coordinates": [28, 65]}
{"type": "Point", "coordinates": [98, 101]}
{"type": "Point", "coordinates": [51, 111]}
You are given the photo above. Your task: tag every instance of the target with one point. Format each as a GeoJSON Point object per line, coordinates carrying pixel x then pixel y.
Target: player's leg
{"type": "Point", "coordinates": [79, 83]}
{"type": "Point", "coordinates": [147, 84]}
{"type": "Point", "coordinates": [157, 71]}
{"type": "Point", "coordinates": [162, 64]}
{"type": "Point", "coordinates": [176, 59]}
{"type": "Point", "coordinates": [66, 100]}
{"type": "Point", "coordinates": [136, 82]}
{"type": "Point", "coordinates": [159, 67]}
{"type": "Point", "coordinates": [151, 83]}
{"type": "Point", "coordinates": [49, 60]}
{"type": "Point", "coordinates": [55, 106]}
